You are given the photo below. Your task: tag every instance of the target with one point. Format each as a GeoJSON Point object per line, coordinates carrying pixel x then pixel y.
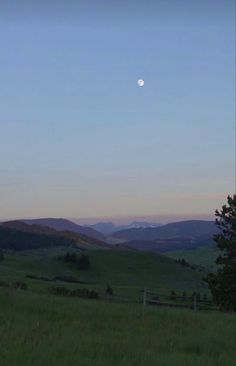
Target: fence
{"type": "Point", "coordinates": [193, 302]}
{"type": "Point", "coordinates": [147, 297]}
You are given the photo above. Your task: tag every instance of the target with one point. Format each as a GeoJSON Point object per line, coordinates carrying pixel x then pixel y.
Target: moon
{"type": "Point", "coordinates": [140, 82]}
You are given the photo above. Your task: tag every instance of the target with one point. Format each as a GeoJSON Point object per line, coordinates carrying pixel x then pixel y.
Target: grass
{"type": "Point", "coordinates": [202, 256]}
{"type": "Point", "coordinates": [128, 272]}
{"type": "Point", "coordinates": [40, 329]}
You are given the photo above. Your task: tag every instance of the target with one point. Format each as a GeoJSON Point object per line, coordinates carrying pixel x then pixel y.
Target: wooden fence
{"type": "Point", "coordinates": [175, 301]}
{"type": "Point", "coordinates": [147, 297]}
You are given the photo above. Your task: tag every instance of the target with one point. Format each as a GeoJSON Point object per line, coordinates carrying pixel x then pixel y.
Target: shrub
{"type": "Point", "coordinates": [173, 296]}
{"type": "Point", "coordinates": [19, 285]}
{"type": "Point", "coordinates": [83, 293]}
{"type": "Point", "coordinates": [109, 291]}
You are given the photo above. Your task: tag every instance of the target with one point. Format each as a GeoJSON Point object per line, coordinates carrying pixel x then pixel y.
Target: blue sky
{"type": "Point", "coordinates": [79, 138]}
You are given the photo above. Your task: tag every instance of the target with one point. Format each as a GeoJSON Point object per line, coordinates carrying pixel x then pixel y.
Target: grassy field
{"type": "Point", "coordinates": [39, 329]}
{"type": "Point", "coordinates": [202, 256]}
{"type": "Point", "coordinates": [128, 272]}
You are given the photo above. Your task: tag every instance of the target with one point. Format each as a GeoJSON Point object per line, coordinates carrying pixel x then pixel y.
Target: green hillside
{"type": "Point", "coordinates": [127, 272]}
{"type": "Point", "coordinates": [202, 256]}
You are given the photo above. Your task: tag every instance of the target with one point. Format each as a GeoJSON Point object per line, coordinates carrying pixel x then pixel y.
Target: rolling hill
{"type": "Point", "coordinates": [201, 256]}
{"type": "Point", "coordinates": [192, 229]}
{"type": "Point", "coordinates": [66, 225]}
{"type": "Point", "coordinates": [17, 235]}
{"type": "Point", "coordinates": [127, 272]}
{"type": "Point", "coordinates": [184, 235]}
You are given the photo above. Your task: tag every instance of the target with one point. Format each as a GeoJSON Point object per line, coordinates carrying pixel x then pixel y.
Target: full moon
{"type": "Point", "coordinates": [140, 82]}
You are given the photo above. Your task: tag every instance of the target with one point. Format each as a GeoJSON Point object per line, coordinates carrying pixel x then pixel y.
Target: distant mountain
{"type": "Point", "coordinates": [17, 235]}
{"type": "Point", "coordinates": [66, 225]}
{"type": "Point", "coordinates": [110, 227]}
{"type": "Point", "coordinates": [138, 225]}
{"type": "Point", "coordinates": [192, 229]}
{"type": "Point", "coordinates": [103, 227]}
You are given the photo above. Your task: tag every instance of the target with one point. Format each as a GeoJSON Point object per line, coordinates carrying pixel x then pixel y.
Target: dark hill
{"type": "Point", "coordinates": [66, 225]}
{"type": "Point", "coordinates": [13, 239]}
{"type": "Point", "coordinates": [43, 236]}
{"type": "Point", "coordinates": [193, 229]}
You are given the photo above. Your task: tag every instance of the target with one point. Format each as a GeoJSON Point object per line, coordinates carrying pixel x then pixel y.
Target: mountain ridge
{"type": "Point", "coordinates": [21, 236]}
{"type": "Point", "coordinates": [61, 224]}
{"type": "Point", "coordinates": [108, 228]}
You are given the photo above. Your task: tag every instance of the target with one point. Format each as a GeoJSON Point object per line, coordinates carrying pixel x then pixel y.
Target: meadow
{"type": "Point", "coordinates": [201, 256]}
{"type": "Point", "coordinates": [40, 329]}
{"type": "Point", "coordinates": [128, 272]}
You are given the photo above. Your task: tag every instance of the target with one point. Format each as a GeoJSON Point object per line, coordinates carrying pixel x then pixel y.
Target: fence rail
{"type": "Point", "coordinates": [191, 302]}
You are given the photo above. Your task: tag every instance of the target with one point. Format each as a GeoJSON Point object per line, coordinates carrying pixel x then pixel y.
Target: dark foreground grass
{"type": "Point", "coordinates": [38, 330]}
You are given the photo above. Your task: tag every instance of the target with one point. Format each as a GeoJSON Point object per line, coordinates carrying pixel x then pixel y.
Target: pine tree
{"type": "Point", "coordinates": [173, 296]}
{"type": "Point", "coordinates": [1, 256]}
{"type": "Point", "coordinates": [83, 262]}
{"type": "Point", "coordinates": [223, 283]}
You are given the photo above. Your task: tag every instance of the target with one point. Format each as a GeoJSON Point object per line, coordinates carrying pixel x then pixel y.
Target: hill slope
{"type": "Point", "coordinates": [13, 239]}
{"type": "Point", "coordinates": [192, 229]}
{"type": "Point", "coordinates": [126, 271]}
{"type": "Point", "coordinates": [201, 256]}
{"type": "Point", "coordinates": [66, 225]}
{"type": "Point", "coordinates": [17, 235]}
{"type": "Point", "coordinates": [167, 245]}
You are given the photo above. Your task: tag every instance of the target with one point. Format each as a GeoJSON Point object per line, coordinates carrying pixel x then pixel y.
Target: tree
{"type": "Point", "coordinates": [173, 296]}
{"type": "Point", "coordinates": [83, 262]}
{"type": "Point", "coordinates": [1, 256]}
{"type": "Point", "coordinates": [223, 283]}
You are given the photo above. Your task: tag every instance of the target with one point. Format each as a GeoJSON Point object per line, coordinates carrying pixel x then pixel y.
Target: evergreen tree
{"type": "Point", "coordinates": [173, 296]}
{"type": "Point", "coordinates": [223, 283]}
{"type": "Point", "coordinates": [83, 262]}
{"type": "Point", "coordinates": [1, 255]}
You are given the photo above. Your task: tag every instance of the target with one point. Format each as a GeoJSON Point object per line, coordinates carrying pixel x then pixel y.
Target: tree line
{"type": "Point", "coordinates": [82, 261]}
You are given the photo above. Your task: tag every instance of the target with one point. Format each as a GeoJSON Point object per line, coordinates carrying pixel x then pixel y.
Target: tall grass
{"type": "Point", "coordinates": [38, 330]}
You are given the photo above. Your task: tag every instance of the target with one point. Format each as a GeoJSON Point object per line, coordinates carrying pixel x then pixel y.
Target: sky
{"type": "Point", "coordinates": [80, 139]}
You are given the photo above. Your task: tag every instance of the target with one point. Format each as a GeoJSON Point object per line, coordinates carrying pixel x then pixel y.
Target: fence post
{"type": "Point", "coordinates": [144, 296]}
{"type": "Point", "coordinates": [195, 302]}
